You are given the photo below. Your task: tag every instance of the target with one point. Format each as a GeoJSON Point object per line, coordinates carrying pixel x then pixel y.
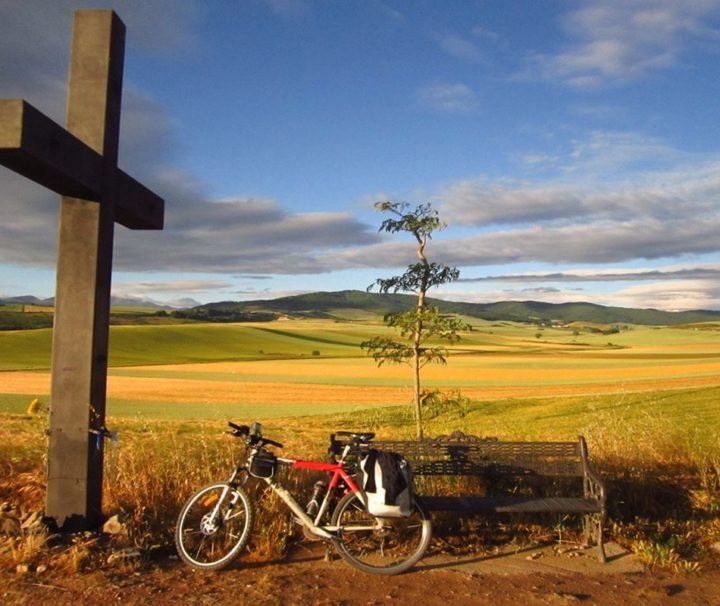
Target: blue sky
{"type": "Point", "coordinates": [573, 148]}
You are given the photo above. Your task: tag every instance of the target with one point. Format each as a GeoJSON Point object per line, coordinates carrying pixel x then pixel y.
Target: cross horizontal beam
{"type": "Point", "coordinates": [136, 206]}
{"type": "Point", "coordinates": [41, 150]}
{"type": "Point", "coordinates": [34, 146]}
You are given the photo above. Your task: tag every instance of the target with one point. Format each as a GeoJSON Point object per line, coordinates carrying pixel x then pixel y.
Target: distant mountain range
{"type": "Point", "coordinates": [118, 301]}
{"type": "Point", "coordinates": [361, 305]}
{"type": "Point", "coordinates": [27, 300]}
{"type": "Point", "coordinates": [355, 304]}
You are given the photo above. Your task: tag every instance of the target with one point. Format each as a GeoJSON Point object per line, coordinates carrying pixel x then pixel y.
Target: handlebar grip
{"type": "Point", "coordinates": [254, 439]}
{"type": "Point", "coordinates": [238, 430]}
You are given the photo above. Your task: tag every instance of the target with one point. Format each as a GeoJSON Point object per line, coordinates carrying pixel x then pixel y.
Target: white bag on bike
{"type": "Point", "coordinates": [387, 482]}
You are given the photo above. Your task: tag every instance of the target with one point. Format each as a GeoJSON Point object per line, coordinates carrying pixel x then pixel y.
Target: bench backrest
{"type": "Point", "coordinates": [459, 454]}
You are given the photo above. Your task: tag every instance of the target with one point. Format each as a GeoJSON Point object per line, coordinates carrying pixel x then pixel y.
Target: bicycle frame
{"type": "Point", "coordinates": [215, 523]}
{"type": "Point", "coordinates": [337, 471]}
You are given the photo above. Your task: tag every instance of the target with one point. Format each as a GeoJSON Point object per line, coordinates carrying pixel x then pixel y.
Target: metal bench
{"type": "Point", "coordinates": [511, 477]}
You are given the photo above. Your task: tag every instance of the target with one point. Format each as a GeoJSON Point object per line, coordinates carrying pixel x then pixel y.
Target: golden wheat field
{"type": "Point", "coordinates": [318, 366]}
{"type": "Point", "coordinates": [358, 380]}
{"type": "Point", "coordinates": [646, 399]}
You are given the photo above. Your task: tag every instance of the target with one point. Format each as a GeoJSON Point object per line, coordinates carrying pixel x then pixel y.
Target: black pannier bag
{"type": "Point", "coordinates": [263, 464]}
{"type": "Point", "coordinates": [387, 482]}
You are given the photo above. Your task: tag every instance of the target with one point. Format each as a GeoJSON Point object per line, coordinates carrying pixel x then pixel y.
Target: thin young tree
{"type": "Point", "coordinates": [422, 324]}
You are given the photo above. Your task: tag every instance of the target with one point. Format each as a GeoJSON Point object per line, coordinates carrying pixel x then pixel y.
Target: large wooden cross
{"type": "Point", "coordinates": [80, 163]}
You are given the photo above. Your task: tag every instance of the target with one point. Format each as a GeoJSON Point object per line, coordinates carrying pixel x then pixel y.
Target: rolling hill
{"type": "Point", "coordinates": [355, 304]}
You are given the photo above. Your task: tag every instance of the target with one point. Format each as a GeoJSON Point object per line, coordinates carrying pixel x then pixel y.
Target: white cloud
{"type": "Point", "coordinates": [595, 214]}
{"type": "Point", "coordinates": [585, 243]}
{"type": "Point", "coordinates": [451, 98]}
{"type": "Point", "coordinates": [267, 294]}
{"type": "Point", "coordinates": [240, 235]}
{"type": "Point", "coordinates": [484, 33]}
{"type": "Point", "coordinates": [134, 289]}
{"type": "Point", "coordinates": [620, 40]}
{"type": "Point", "coordinates": [670, 288]}
{"type": "Point", "coordinates": [203, 235]}
{"type": "Point", "coordinates": [607, 153]}
{"type": "Point", "coordinates": [483, 201]}
{"type": "Point", "coordinates": [35, 66]}
{"type": "Point", "coordinates": [459, 47]}
{"type": "Point", "coordinates": [391, 12]}
{"type": "Point", "coordinates": [701, 271]}
{"type": "Point", "coordinates": [243, 235]}
{"type": "Point", "coordinates": [665, 296]}
{"type": "Point", "coordinates": [671, 296]}
{"type": "Point", "coordinates": [617, 196]}
{"type": "Point", "coordinates": [608, 178]}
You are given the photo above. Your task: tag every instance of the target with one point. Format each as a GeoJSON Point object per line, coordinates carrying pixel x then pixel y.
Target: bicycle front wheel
{"type": "Point", "coordinates": [213, 526]}
{"type": "Point", "coordinates": [379, 545]}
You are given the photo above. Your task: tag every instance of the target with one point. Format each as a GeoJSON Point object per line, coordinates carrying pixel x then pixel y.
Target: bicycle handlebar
{"type": "Point", "coordinates": [242, 430]}
{"type": "Point", "coordinates": [254, 439]}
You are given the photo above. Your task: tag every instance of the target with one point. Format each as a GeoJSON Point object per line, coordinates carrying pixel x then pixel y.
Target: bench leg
{"type": "Point", "coordinates": [593, 525]}
{"type": "Point", "coordinates": [601, 546]}
{"type": "Point", "coordinates": [587, 530]}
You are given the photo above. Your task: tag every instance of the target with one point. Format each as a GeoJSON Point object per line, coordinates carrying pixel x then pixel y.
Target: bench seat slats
{"type": "Point", "coordinates": [493, 462]}
{"type": "Point", "coordinates": [510, 504]}
{"type": "Point", "coordinates": [489, 468]}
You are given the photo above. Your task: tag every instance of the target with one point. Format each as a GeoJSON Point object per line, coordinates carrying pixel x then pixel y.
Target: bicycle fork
{"type": "Point", "coordinates": [212, 521]}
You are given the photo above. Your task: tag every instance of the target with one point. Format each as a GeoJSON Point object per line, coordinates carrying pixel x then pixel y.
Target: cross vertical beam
{"type": "Point", "coordinates": [80, 164]}
{"type": "Point", "coordinates": [84, 266]}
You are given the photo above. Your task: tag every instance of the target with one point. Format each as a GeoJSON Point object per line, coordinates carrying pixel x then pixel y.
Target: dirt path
{"type": "Point", "coordinates": [308, 580]}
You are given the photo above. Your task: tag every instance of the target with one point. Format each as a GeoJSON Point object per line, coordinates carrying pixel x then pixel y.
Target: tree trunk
{"type": "Point", "coordinates": [418, 402]}
{"type": "Point", "coordinates": [417, 337]}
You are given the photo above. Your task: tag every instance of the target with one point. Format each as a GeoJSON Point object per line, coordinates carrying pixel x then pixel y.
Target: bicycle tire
{"type": "Point", "coordinates": [379, 545]}
{"type": "Point", "coordinates": [208, 544]}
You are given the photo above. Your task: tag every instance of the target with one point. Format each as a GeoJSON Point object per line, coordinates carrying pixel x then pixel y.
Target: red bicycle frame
{"type": "Point", "coordinates": [336, 469]}
{"type": "Point", "coordinates": [338, 473]}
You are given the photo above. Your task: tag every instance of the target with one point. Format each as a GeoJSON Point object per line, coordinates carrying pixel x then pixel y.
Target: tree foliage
{"type": "Point", "coordinates": [423, 325]}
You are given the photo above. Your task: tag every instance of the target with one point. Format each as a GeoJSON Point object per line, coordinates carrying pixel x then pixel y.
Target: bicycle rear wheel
{"type": "Point", "coordinates": [379, 545]}
{"type": "Point", "coordinates": [213, 526]}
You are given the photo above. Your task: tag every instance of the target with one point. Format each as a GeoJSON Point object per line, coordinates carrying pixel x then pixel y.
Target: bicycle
{"type": "Point", "coordinates": [215, 523]}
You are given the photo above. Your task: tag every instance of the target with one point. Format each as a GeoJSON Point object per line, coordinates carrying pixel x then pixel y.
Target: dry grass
{"type": "Point", "coordinates": [663, 475]}
{"type": "Point", "coordinates": [148, 477]}
{"type": "Point", "coordinates": [665, 502]}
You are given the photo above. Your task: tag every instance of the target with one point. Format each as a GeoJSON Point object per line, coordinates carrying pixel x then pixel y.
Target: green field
{"type": "Point", "coordinates": [517, 377]}
{"type": "Point", "coordinates": [647, 399]}
{"type": "Point", "coordinates": [182, 344]}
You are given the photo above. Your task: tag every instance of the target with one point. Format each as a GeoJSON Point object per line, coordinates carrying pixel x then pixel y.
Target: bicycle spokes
{"type": "Point", "coordinates": [211, 539]}
{"type": "Point", "coordinates": [379, 545]}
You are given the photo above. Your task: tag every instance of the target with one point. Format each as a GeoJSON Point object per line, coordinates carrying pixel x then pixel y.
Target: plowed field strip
{"type": "Point", "coordinates": [192, 391]}
{"type": "Point", "coordinates": [491, 371]}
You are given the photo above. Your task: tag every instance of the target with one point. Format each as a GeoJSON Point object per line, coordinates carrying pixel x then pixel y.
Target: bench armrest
{"type": "Point", "coordinates": [594, 486]}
